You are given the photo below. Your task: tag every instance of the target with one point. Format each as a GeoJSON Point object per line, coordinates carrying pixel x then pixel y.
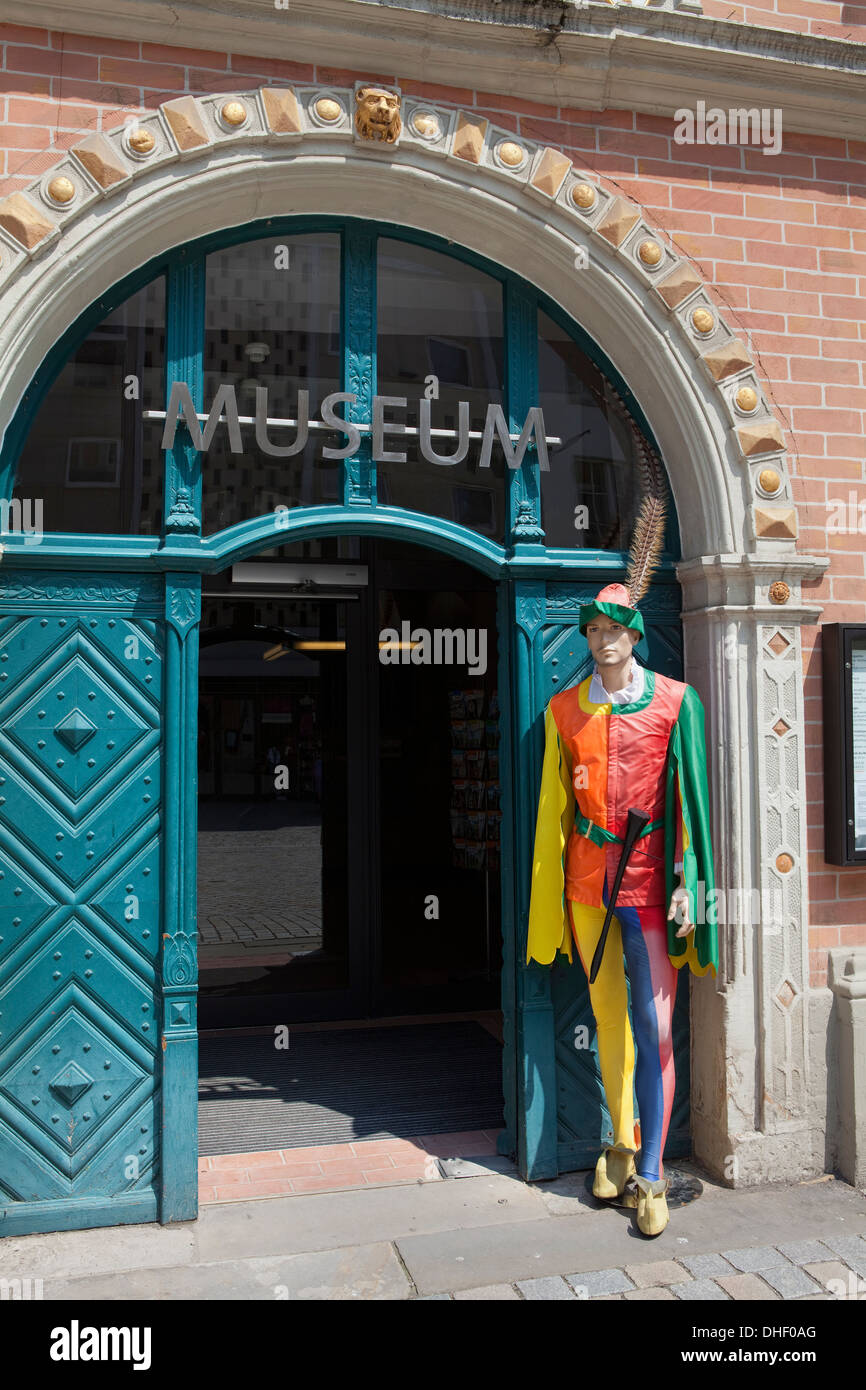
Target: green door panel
{"type": "Point", "coordinates": [81, 683]}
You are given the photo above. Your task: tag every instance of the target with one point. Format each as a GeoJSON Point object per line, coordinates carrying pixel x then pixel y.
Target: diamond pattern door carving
{"type": "Point", "coordinates": [81, 676]}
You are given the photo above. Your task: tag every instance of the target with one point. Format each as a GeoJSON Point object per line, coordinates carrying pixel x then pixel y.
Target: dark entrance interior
{"type": "Point", "coordinates": [349, 819]}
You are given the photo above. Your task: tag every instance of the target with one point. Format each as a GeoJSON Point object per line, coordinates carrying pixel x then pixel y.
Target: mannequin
{"type": "Point", "coordinates": [626, 737]}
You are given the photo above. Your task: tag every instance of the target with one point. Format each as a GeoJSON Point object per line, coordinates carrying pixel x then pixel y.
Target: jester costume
{"type": "Point", "coordinates": [604, 753]}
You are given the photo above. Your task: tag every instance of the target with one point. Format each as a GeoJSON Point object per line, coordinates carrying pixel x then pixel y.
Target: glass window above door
{"type": "Point", "coordinates": [272, 319]}
{"type": "Point", "coordinates": [90, 459]}
{"type": "Point", "coordinates": [289, 319]}
{"type": "Point", "coordinates": [440, 322]}
{"type": "Point", "coordinates": [589, 497]}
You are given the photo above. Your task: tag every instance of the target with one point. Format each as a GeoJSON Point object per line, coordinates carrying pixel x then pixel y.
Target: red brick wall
{"type": "Point", "coordinates": [829, 19]}
{"type": "Point", "coordinates": [780, 241]}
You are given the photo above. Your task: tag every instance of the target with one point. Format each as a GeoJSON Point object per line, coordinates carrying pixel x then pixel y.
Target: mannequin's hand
{"type": "Point", "coordinates": [680, 898]}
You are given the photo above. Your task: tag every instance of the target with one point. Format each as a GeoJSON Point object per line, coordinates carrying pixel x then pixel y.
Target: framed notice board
{"type": "Point", "coordinates": [844, 660]}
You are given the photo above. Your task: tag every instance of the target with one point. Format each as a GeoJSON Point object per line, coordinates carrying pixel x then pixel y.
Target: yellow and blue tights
{"type": "Point", "coordinates": [639, 934]}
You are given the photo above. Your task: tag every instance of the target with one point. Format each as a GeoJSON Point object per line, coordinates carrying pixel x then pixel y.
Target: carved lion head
{"type": "Point", "coordinates": [378, 114]}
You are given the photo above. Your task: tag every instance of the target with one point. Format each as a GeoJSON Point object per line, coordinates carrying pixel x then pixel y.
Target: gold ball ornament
{"type": "Point", "coordinates": [234, 113]}
{"type": "Point", "coordinates": [61, 189]}
{"type": "Point", "coordinates": [650, 252]}
{"type": "Point", "coordinates": [703, 321]}
{"type": "Point", "coordinates": [142, 141]}
{"type": "Point", "coordinates": [784, 863]}
{"type": "Point", "coordinates": [511, 153]}
{"type": "Point", "coordinates": [746, 398]}
{"type": "Point", "coordinates": [583, 195]}
{"type": "Point", "coordinates": [328, 110]}
{"type": "Point", "coordinates": [425, 123]}
{"type": "Point", "coordinates": [769, 480]}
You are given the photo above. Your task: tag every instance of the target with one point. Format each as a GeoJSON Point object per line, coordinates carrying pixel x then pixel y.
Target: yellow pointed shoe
{"type": "Point", "coordinates": [612, 1172]}
{"type": "Point", "coordinates": [651, 1203]}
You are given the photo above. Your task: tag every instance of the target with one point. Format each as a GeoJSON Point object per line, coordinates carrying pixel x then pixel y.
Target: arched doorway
{"type": "Point", "coordinates": [487, 338]}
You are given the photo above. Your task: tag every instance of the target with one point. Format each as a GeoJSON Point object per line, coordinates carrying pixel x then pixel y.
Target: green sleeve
{"type": "Point", "coordinates": [687, 789]}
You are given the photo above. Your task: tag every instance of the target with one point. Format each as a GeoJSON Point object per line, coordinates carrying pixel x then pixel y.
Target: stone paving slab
{"type": "Point", "coordinates": [599, 1283]}
{"type": "Point", "coordinates": [746, 1286]}
{"type": "Point", "coordinates": [65, 1254]}
{"type": "Point", "coordinates": [706, 1266]}
{"type": "Point", "coordinates": [488, 1292]}
{"type": "Point", "coordinates": [791, 1282]}
{"type": "Point", "coordinates": [852, 1249]}
{"type": "Point", "coordinates": [567, 1195]}
{"type": "Point", "coordinates": [321, 1221]}
{"type": "Point", "coordinates": [655, 1295]}
{"type": "Point", "coordinates": [534, 1289]}
{"type": "Point", "coordinates": [701, 1291]}
{"type": "Point", "coordinates": [806, 1251]}
{"type": "Point", "coordinates": [655, 1273]}
{"type": "Point", "coordinates": [362, 1272]}
{"type": "Point", "coordinates": [831, 1273]}
{"type": "Point", "coordinates": [756, 1259]}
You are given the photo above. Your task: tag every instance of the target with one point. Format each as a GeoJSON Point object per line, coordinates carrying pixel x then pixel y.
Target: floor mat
{"type": "Point", "coordinates": [334, 1086]}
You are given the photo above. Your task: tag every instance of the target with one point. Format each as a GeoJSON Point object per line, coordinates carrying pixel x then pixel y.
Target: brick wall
{"type": "Point", "coordinates": [780, 241]}
{"type": "Point", "coordinates": [828, 19]}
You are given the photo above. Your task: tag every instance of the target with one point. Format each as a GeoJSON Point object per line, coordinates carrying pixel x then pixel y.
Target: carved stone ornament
{"type": "Point", "coordinates": [779, 592]}
{"type": "Point", "coordinates": [378, 114]}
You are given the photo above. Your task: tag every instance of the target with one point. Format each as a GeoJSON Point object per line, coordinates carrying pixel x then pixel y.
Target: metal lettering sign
{"type": "Point", "coordinates": [224, 409]}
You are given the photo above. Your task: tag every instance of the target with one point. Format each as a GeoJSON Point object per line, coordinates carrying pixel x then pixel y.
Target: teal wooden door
{"type": "Point", "coordinates": [568, 1133]}
{"type": "Point", "coordinates": [81, 677]}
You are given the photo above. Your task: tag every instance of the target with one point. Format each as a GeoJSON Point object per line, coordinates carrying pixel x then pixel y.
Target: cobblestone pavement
{"type": "Point", "coordinates": [802, 1270]}
{"type": "Point", "coordinates": [259, 887]}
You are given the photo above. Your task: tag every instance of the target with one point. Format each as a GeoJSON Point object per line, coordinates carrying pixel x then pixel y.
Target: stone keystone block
{"type": "Point", "coordinates": [550, 174]}
{"type": "Point", "coordinates": [185, 123]}
{"type": "Point", "coordinates": [677, 286]}
{"type": "Point", "coordinates": [776, 523]}
{"type": "Point", "coordinates": [618, 221]}
{"type": "Point", "coordinates": [732, 356]}
{"type": "Point", "coordinates": [23, 220]}
{"type": "Point", "coordinates": [282, 112]}
{"type": "Point", "coordinates": [468, 139]}
{"type": "Point", "coordinates": [101, 161]}
{"type": "Point", "coordinates": [762, 438]}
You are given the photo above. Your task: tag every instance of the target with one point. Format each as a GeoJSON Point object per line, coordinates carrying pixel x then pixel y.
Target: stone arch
{"type": "Point", "coordinates": [200, 164]}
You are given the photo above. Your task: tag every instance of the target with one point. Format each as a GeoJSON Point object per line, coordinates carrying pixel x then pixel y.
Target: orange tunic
{"type": "Point", "coordinates": [616, 757]}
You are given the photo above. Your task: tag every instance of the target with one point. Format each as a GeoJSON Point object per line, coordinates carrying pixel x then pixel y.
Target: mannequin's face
{"type": "Point", "coordinates": [610, 643]}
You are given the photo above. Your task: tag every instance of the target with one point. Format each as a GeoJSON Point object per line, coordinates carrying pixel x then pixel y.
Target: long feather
{"type": "Point", "coordinates": [648, 537]}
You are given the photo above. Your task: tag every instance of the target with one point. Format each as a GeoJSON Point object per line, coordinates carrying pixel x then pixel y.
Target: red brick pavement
{"type": "Point", "coordinates": [335, 1167]}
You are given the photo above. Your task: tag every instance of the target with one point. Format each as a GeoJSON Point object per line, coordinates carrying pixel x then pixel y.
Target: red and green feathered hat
{"type": "Point", "coordinates": [613, 602]}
